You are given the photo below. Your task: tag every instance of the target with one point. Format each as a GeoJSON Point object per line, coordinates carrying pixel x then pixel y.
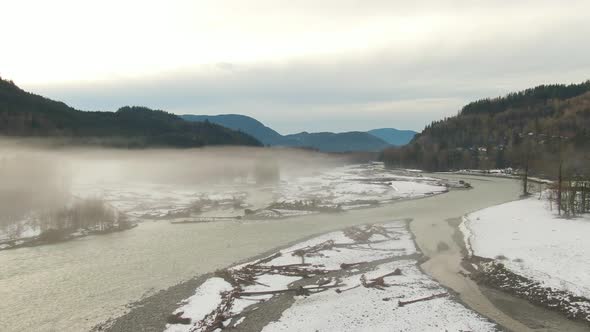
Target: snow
{"type": "Point", "coordinates": [356, 308]}
{"type": "Point", "coordinates": [400, 245]}
{"type": "Point", "coordinates": [153, 201]}
{"type": "Point", "coordinates": [535, 242]}
{"type": "Point", "coordinates": [207, 297]}
{"type": "Point", "coordinates": [503, 172]}
{"type": "Point", "coordinates": [339, 188]}
{"type": "Point", "coordinates": [349, 185]}
{"type": "Point", "coordinates": [267, 282]}
{"type": "Point", "coordinates": [25, 228]}
{"type": "Point", "coordinates": [370, 309]}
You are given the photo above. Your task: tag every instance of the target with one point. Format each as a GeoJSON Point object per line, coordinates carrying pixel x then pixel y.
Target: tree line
{"type": "Point", "coordinates": [26, 114]}
{"type": "Point", "coordinates": [543, 131]}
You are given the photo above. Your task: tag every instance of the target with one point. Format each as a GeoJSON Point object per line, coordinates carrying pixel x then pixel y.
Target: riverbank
{"type": "Point", "coordinates": [107, 283]}
{"type": "Point", "coordinates": [543, 257]}
{"type": "Point", "coordinates": [445, 241]}
{"type": "Point", "coordinates": [432, 208]}
{"type": "Point", "coordinates": [364, 277]}
{"type": "Point", "coordinates": [54, 236]}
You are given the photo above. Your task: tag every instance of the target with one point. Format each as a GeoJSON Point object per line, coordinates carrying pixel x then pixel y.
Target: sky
{"type": "Point", "coordinates": [305, 65]}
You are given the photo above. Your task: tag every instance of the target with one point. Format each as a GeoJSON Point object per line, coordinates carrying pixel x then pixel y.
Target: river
{"type": "Point", "coordinates": [72, 286]}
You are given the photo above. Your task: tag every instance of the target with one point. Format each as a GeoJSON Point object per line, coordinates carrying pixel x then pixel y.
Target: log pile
{"type": "Point", "coordinates": [214, 320]}
{"type": "Point", "coordinates": [313, 250]}
{"type": "Point", "coordinates": [364, 234]}
{"type": "Point", "coordinates": [248, 275]}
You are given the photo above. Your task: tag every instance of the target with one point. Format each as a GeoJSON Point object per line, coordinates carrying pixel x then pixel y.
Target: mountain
{"type": "Point", "coordinates": [538, 128]}
{"type": "Point", "coordinates": [394, 136]}
{"type": "Point", "coordinates": [245, 124]}
{"type": "Point", "coordinates": [324, 141]}
{"type": "Point", "coordinates": [26, 114]}
{"type": "Point", "coordinates": [339, 142]}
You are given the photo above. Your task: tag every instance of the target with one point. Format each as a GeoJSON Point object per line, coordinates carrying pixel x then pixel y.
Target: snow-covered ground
{"type": "Point", "coordinates": [352, 185]}
{"type": "Point", "coordinates": [531, 240]}
{"type": "Point", "coordinates": [364, 309]}
{"type": "Point", "coordinates": [25, 228]}
{"type": "Point", "coordinates": [155, 201]}
{"type": "Point", "coordinates": [501, 172]}
{"type": "Point", "coordinates": [341, 187]}
{"type": "Point", "coordinates": [360, 279]}
{"type": "Point", "coordinates": [328, 190]}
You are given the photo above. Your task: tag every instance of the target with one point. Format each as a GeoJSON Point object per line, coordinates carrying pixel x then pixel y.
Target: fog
{"type": "Point", "coordinates": [38, 180]}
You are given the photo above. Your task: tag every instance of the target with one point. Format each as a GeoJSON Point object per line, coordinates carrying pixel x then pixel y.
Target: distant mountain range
{"type": "Point", "coordinates": [245, 124]}
{"type": "Point", "coordinates": [23, 114]}
{"type": "Point", "coordinates": [375, 140]}
{"type": "Point", "coordinates": [394, 136]}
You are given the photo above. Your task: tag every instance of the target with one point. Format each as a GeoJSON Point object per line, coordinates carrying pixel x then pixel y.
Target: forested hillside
{"type": "Point", "coordinates": [538, 128]}
{"type": "Point", "coordinates": [30, 115]}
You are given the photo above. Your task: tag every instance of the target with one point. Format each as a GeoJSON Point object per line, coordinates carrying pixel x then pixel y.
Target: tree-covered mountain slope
{"type": "Point", "coordinates": [24, 114]}
{"type": "Point", "coordinates": [541, 126]}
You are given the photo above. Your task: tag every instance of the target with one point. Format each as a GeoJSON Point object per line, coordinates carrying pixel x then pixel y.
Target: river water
{"type": "Point", "coordinates": [74, 285]}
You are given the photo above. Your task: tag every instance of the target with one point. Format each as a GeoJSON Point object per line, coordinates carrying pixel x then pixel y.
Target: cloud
{"type": "Point", "coordinates": [309, 65]}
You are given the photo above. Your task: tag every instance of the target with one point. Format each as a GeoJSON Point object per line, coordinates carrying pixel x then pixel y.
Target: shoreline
{"type": "Point", "coordinates": [143, 316]}
{"type": "Point", "coordinates": [164, 302]}
{"type": "Point", "coordinates": [169, 299]}
{"type": "Point", "coordinates": [194, 250]}
{"type": "Point", "coordinates": [38, 240]}
{"type": "Point", "coordinates": [491, 274]}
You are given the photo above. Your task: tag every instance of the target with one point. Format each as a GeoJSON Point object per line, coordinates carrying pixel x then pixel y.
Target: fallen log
{"type": "Point", "coordinates": [347, 289]}
{"type": "Point", "coordinates": [346, 266]}
{"type": "Point", "coordinates": [267, 259]}
{"type": "Point", "coordinates": [310, 250]}
{"type": "Point", "coordinates": [379, 282]}
{"type": "Point", "coordinates": [178, 319]}
{"type": "Point", "coordinates": [396, 272]}
{"type": "Point", "coordinates": [324, 281]}
{"type": "Point", "coordinates": [281, 291]}
{"type": "Point", "coordinates": [432, 297]}
{"type": "Point", "coordinates": [363, 234]}
{"type": "Point", "coordinates": [214, 320]}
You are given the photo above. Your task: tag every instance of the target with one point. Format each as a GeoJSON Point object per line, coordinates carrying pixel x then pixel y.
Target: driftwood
{"type": "Point", "coordinates": [298, 291]}
{"type": "Point", "coordinates": [248, 274]}
{"type": "Point", "coordinates": [346, 266]}
{"type": "Point", "coordinates": [214, 320]}
{"type": "Point", "coordinates": [396, 272]}
{"type": "Point", "coordinates": [379, 282]}
{"type": "Point", "coordinates": [360, 234]}
{"type": "Point", "coordinates": [313, 250]}
{"type": "Point", "coordinates": [347, 289]}
{"type": "Point", "coordinates": [435, 296]}
{"type": "Point", "coordinates": [374, 283]}
{"type": "Point", "coordinates": [178, 319]}
{"type": "Point", "coordinates": [267, 259]}
{"type": "Point", "coordinates": [324, 281]}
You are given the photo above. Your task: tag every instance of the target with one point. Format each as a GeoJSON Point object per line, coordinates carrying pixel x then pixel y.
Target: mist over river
{"type": "Point", "coordinates": [75, 285]}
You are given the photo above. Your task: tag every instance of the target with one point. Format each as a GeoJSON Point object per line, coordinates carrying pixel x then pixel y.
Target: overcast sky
{"type": "Point", "coordinates": [314, 65]}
